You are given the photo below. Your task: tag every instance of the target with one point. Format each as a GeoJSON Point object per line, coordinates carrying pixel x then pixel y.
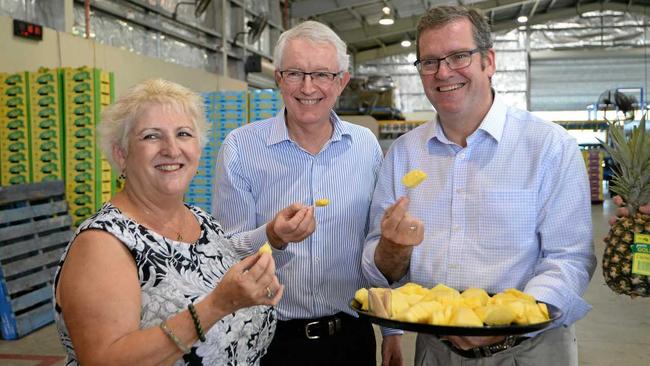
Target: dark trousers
{"type": "Point", "coordinates": [340, 339]}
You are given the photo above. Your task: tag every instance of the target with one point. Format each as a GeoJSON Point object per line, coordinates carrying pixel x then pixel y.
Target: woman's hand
{"type": "Point", "coordinates": [248, 283]}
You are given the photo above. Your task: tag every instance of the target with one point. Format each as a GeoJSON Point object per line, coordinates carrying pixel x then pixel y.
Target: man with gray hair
{"type": "Point", "coordinates": [305, 154]}
{"type": "Point", "coordinates": [503, 187]}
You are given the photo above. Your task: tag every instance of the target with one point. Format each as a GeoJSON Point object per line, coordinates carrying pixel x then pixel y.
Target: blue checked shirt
{"type": "Point", "coordinates": [260, 171]}
{"type": "Point", "coordinates": [512, 209]}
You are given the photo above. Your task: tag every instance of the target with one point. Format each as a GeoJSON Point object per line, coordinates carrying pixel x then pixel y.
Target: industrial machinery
{"type": "Point", "coordinates": [373, 95]}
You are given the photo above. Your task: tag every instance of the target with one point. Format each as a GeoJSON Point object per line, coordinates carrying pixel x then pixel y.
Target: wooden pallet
{"type": "Point", "coordinates": [34, 231]}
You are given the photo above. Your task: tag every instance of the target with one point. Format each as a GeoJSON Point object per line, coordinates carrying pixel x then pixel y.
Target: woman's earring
{"type": "Point", "coordinates": [122, 176]}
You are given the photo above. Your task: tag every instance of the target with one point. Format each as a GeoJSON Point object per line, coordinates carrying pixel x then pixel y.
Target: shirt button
{"type": "Point", "coordinates": [453, 266]}
{"type": "Point", "coordinates": [317, 259]}
{"type": "Point", "coordinates": [461, 156]}
{"type": "Point", "coordinates": [455, 228]}
{"type": "Point", "coordinates": [459, 190]}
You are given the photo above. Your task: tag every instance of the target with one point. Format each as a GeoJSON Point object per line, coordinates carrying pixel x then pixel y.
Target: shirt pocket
{"type": "Point", "coordinates": [507, 218]}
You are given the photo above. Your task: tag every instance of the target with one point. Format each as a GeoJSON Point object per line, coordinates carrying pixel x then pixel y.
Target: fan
{"type": "Point", "coordinates": [619, 100]}
{"type": "Point", "coordinates": [255, 28]}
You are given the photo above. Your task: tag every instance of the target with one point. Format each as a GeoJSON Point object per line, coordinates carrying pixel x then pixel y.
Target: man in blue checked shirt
{"type": "Point", "coordinates": [506, 204]}
{"type": "Point", "coordinates": [304, 154]}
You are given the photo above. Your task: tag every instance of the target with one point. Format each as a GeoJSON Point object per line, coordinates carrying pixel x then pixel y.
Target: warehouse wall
{"type": "Point", "coordinates": [58, 49]}
{"type": "Point", "coordinates": [581, 76]}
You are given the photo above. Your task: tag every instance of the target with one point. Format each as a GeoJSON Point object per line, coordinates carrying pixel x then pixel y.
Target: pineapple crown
{"type": "Point", "coordinates": [631, 178]}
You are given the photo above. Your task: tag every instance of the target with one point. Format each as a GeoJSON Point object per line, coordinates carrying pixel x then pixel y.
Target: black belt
{"type": "Point", "coordinates": [486, 351]}
{"type": "Point", "coordinates": [326, 326]}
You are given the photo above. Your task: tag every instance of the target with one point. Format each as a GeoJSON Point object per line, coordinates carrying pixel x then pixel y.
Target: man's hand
{"type": "Point", "coordinates": [622, 211]}
{"type": "Point", "coordinates": [466, 343]}
{"type": "Point", "coordinates": [400, 232]}
{"type": "Point", "coordinates": [292, 224]}
{"type": "Point", "coordinates": [391, 351]}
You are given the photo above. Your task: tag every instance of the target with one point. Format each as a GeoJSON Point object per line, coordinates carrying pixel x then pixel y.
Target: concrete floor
{"type": "Point", "coordinates": [616, 332]}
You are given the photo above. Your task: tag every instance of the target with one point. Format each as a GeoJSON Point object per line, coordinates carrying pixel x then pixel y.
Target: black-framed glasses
{"type": "Point", "coordinates": [454, 61]}
{"type": "Point", "coordinates": [317, 77]}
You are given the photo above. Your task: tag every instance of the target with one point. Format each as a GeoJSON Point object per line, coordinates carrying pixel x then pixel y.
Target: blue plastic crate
{"type": "Point", "coordinates": [200, 189]}
{"type": "Point", "coordinates": [231, 106]}
{"type": "Point", "coordinates": [34, 230]}
{"type": "Point", "coordinates": [232, 96]}
{"type": "Point", "coordinates": [260, 115]}
{"type": "Point", "coordinates": [264, 94]}
{"type": "Point", "coordinates": [266, 104]}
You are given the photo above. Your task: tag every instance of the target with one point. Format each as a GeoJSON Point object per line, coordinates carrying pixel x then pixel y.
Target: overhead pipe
{"type": "Point", "coordinates": [87, 16]}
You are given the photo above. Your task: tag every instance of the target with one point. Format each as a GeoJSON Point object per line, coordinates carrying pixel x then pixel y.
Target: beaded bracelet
{"type": "Point", "coordinates": [185, 349]}
{"type": "Point", "coordinates": [197, 322]}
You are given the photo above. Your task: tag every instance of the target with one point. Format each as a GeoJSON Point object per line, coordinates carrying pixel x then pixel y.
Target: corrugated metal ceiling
{"type": "Point", "coordinates": [356, 21]}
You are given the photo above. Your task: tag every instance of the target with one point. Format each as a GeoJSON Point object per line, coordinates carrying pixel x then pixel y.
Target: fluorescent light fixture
{"type": "Point", "coordinates": [406, 42]}
{"type": "Point", "coordinates": [386, 19]}
{"type": "Point", "coordinates": [522, 19]}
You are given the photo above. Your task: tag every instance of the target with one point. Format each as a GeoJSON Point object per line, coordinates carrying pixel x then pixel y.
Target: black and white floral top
{"type": "Point", "coordinates": [172, 274]}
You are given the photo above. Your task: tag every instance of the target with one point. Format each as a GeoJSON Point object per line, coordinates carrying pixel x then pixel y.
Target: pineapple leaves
{"type": "Point", "coordinates": [632, 156]}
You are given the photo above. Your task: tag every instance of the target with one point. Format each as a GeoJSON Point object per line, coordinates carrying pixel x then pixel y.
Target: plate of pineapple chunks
{"type": "Point", "coordinates": [443, 310]}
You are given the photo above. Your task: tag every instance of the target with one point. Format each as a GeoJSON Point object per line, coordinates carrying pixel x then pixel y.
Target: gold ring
{"type": "Point", "coordinates": [269, 293]}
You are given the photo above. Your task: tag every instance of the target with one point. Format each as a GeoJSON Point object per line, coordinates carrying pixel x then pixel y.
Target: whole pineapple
{"type": "Point", "coordinates": [632, 182]}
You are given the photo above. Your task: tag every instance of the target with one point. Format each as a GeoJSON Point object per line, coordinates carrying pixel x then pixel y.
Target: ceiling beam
{"type": "Point", "coordinates": [494, 5]}
{"type": "Point", "coordinates": [401, 25]}
{"type": "Point", "coordinates": [533, 10]}
{"type": "Point", "coordinates": [564, 13]}
{"type": "Point", "coordinates": [376, 53]}
{"type": "Point", "coordinates": [307, 8]}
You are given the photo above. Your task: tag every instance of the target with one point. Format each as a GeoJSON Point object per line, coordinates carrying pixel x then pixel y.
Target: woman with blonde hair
{"type": "Point", "coordinates": [150, 280]}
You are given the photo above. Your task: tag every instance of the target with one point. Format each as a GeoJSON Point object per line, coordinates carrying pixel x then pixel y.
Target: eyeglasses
{"type": "Point", "coordinates": [317, 77]}
{"type": "Point", "coordinates": [454, 61]}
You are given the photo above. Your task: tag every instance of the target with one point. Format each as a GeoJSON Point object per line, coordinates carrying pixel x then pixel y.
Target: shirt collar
{"type": "Point", "coordinates": [493, 123]}
{"type": "Point", "coordinates": [279, 131]}
{"type": "Point", "coordinates": [495, 120]}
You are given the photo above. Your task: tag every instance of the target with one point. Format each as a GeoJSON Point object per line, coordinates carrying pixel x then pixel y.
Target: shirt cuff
{"type": "Point", "coordinates": [249, 242]}
{"type": "Point", "coordinates": [390, 331]}
{"type": "Point", "coordinates": [573, 307]}
{"type": "Point", "coordinates": [370, 270]}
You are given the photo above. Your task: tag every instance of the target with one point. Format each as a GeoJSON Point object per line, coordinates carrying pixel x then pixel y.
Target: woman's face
{"type": "Point", "coordinates": [164, 151]}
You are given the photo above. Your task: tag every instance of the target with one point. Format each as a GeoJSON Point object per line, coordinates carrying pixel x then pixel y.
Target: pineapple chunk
{"type": "Point", "coordinates": [413, 178]}
{"type": "Point", "coordinates": [544, 310]}
{"type": "Point", "coordinates": [498, 315]}
{"type": "Point", "coordinates": [442, 316]}
{"type": "Point", "coordinates": [412, 288]}
{"type": "Point", "coordinates": [322, 202]}
{"type": "Point", "coordinates": [362, 297]}
{"type": "Point", "coordinates": [519, 294]}
{"type": "Point", "coordinates": [398, 303]}
{"type": "Point", "coordinates": [420, 312]}
{"type": "Point", "coordinates": [475, 297]}
{"type": "Point", "coordinates": [413, 299]}
{"type": "Point", "coordinates": [534, 314]}
{"type": "Point", "coordinates": [465, 317]}
{"type": "Point", "coordinates": [266, 248]}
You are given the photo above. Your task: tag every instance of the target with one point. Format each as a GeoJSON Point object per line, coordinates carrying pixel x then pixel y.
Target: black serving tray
{"type": "Point", "coordinates": [486, 330]}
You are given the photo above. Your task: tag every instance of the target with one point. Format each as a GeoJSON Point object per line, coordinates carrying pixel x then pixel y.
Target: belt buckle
{"type": "Point", "coordinates": [309, 336]}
